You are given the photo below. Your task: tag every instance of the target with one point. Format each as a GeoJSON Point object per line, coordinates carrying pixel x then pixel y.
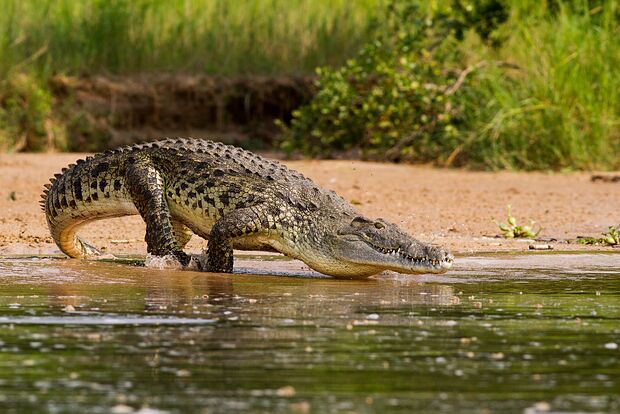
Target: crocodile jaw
{"type": "Point", "coordinates": [413, 259]}
{"type": "Point", "coordinates": [372, 246]}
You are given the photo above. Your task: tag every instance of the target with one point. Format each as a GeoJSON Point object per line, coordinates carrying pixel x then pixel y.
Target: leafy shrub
{"type": "Point", "coordinates": [395, 100]}
{"type": "Point", "coordinates": [484, 16]}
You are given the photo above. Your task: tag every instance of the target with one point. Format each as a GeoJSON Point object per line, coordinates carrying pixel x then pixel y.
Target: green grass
{"type": "Point", "coordinates": [561, 108]}
{"type": "Point", "coordinates": [226, 37]}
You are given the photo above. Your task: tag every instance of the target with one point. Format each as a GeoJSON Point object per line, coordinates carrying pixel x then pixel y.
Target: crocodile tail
{"type": "Point", "coordinates": [81, 193]}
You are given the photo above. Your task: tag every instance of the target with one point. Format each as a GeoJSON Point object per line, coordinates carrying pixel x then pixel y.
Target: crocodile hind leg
{"type": "Point", "coordinates": [238, 223]}
{"type": "Point", "coordinates": [146, 189]}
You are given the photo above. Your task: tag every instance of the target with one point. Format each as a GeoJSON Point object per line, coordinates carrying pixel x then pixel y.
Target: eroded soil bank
{"type": "Point", "coordinates": [455, 208]}
{"type": "Point", "coordinates": [104, 112]}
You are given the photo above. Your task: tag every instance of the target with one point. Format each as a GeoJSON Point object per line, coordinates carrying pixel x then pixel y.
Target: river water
{"type": "Point", "coordinates": [533, 333]}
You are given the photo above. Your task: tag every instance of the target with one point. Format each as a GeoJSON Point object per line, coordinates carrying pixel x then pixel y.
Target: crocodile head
{"type": "Point", "coordinates": [364, 247]}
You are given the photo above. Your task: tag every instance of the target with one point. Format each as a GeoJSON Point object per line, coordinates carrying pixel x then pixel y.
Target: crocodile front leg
{"type": "Point", "coordinates": [146, 187]}
{"type": "Point", "coordinates": [238, 223]}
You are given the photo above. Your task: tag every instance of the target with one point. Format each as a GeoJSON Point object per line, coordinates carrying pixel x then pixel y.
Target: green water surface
{"type": "Point", "coordinates": [522, 334]}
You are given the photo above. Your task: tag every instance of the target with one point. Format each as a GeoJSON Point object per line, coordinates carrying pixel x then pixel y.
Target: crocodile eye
{"type": "Point", "coordinates": [379, 225]}
{"type": "Point", "coordinates": [360, 221]}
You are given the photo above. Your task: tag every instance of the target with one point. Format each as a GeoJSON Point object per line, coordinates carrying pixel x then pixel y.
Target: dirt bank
{"type": "Point", "coordinates": [104, 112]}
{"type": "Point", "coordinates": [449, 207]}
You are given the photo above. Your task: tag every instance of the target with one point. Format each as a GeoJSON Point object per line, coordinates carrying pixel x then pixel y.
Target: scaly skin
{"type": "Point", "coordinates": [234, 199]}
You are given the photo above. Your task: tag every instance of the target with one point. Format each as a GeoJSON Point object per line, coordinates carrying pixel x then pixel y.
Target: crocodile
{"type": "Point", "coordinates": [232, 198]}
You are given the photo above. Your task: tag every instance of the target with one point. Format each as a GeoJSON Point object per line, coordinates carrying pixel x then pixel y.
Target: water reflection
{"type": "Point", "coordinates": [99, 336]}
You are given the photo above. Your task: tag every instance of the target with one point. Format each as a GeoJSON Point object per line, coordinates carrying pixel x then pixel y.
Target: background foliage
{"type": "Point", "coordinates": [483, 83]}
{"type": "Point", "coordinates": [183, 36]}
{"type": "Point", "coordinates": [43, 38]}
{"type": "Point", "coordinates": [392, 100]}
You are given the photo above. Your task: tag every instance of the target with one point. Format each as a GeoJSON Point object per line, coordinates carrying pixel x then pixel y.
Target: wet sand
{"type": "Point", "coordinates": [454, 208]}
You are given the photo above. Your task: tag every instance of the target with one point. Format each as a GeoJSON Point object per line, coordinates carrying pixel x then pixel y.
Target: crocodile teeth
{"type": "Point", "coordinates": [415, 260]}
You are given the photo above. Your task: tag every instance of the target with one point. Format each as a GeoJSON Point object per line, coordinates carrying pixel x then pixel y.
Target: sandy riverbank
{"type": "Point", "coordinates": [454, 208]}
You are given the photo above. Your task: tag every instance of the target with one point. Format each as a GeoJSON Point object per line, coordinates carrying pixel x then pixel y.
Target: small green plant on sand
{"type": "Point", "coordinates": [511, 230]}
{"type": "Point", "coordinates": [611, 238]}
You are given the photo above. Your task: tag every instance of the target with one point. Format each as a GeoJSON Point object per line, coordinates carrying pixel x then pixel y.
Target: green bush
{"type": "Point", "coordinates": [394, 100]}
